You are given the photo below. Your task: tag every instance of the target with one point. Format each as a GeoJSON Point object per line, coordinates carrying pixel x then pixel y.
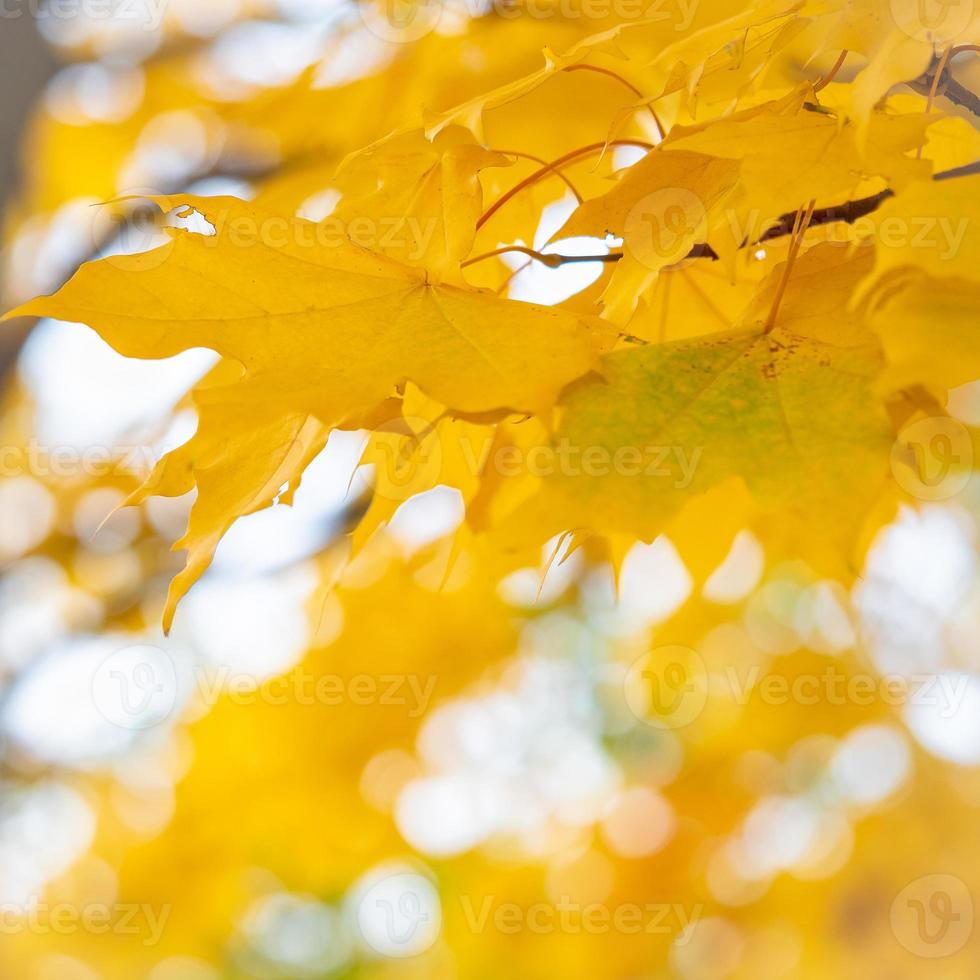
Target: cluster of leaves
{"type": "Point", "coordinates": [782, 201]}
{"type": "Point", "coordinates": [792, 387]}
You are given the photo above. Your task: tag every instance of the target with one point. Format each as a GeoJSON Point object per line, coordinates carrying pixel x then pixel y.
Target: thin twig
{"type": "Point", "coordinates": [544, 163]}
{"type": "Point", "coordinates": [550, 259]}
{"type": "Point", "coordinates": [799, 230]}
{"type": "Point", "coordinates": [948, 87]}
{"type": "Point", "coordinates": [637, 92]}
{"type": "Point", "coordinates": [829, 77]}
{"type": "Point", "coordinates": [932, 90]}
{"type": "Point", "coordinates": [785, 225]}
{"type": "Point", "coordinates": [551, 168]}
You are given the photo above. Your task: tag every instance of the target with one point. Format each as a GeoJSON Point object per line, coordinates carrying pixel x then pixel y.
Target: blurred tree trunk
{"type": "Point", "coordinates": [25, 65]}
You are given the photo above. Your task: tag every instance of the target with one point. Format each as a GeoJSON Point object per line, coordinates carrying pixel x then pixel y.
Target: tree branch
{"type": "Point", "coordinates": [849, 212]}
{"type": "Point", "coordinates": [14, 334]}
{"type": "Point", "coordinates": [948, 87]}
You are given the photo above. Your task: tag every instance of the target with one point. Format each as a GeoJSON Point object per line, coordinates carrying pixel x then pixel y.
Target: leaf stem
{"type": "Point", "coordinates": [948, 86]}
{"type": "Point", "coordinates": [800, 226]}
{"type": "Point", "coordinates": [544, 163]}
{"type": "Point", "coordinates": [550, 168]}
{"type": "Point", "coordinates": [550, 259]}
{"type": "Point", "coordinates": [786, 225]}
{"type": "Point", "coordinates": [829, 77]}
{"type": "Point", "coordinates": [637, 92]}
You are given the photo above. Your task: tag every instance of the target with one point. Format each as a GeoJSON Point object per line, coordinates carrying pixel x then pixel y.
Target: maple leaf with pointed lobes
{"type": "Point", "coordinates": [425, 194]}
{"type": "Point", "coordinates": [662, 206]}
{"type": "Point", "coordinates": [765, 414]}
{"type": "Point", "coordinates": [331, 327]}
{"type": "Point", "coordinates": [897, 39]}
{"type": "Point", "coordinates": [413, 318]}
{"type": "Point", "coordinates": [929, 227]}
{"type": "Point", "coordinates": [789, 156]}
{"type": "Point", "coordinates": [928, 329]}
{"type": "Point", "coordinates": [792, 412]}
{"type": "Point", "coordinates": [325, 332]}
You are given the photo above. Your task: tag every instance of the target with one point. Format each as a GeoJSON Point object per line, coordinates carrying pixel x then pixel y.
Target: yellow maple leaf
{"type": "Point", "coordinates": [662, 206]}
{"type": "Point", "coordinates": [425, 197]}
{"type": "Point", "coordinates": [325, 329]}
{"type": "Point", "coordinates": [928, 330]}
{"type": "Point", "coordinates": [791, 411]}
{"type": "Point", "coordinates": [789, 155]}
{"type": "Point", "coordinates": [929, 226]}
